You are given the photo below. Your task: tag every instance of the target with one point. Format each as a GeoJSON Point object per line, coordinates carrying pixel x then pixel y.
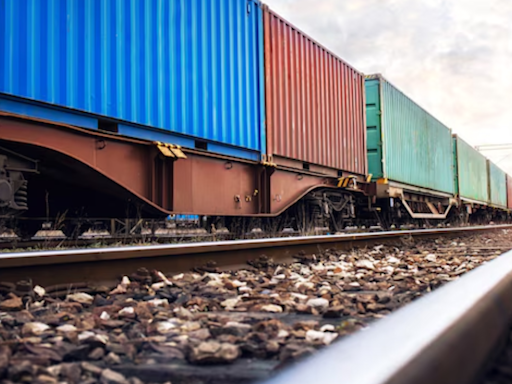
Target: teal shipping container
{"type": "Point", "coordinates": [405, 144]}
{"type": "Point", "coordinates": [497, 186]}
{"type": "Point", "coordinates": [472, 172]}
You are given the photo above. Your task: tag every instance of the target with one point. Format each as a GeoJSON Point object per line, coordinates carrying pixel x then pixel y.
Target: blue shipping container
{"type": "Point", "coordinates": [190, 67]}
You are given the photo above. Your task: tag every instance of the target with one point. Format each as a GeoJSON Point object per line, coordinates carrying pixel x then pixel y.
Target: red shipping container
{"type": "Point", "coordinates": [314, 102]}
{"type": "Point", "coordinates": [509, 191]}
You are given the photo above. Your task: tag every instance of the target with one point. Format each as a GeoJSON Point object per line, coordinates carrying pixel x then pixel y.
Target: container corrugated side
{"type": "Point", "coordinates": [315, 101]}
{"type": "Point", "coordinates": [509, 191]}
{"type": "Point", "coordinates": [405, 143]}
{"type": "Point", "coordinates": [497, 186]}
{"type": "Point", "coordinates": [472, 172]}
{"type": "Point", "coordinates": [192, 67]}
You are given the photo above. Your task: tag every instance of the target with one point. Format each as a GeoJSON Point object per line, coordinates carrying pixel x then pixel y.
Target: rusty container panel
{"type": "Point", "coordinates": [176, 68]}
{"type": "Point", "coordinates": [472, 172]}
{"type": "Point", "coordinates": [509, 191]}
{"type": "Point", "coordinates": [497, 186]}
{"type": "Point", "coordinates": [314, 101]}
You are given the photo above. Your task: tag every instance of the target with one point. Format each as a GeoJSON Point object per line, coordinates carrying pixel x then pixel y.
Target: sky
{"type": "Point", "coordinates": [453, 57]}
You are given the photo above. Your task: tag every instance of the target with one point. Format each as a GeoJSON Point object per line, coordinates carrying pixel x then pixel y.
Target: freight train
{"type": "Point", "coordinates": [209, 117]}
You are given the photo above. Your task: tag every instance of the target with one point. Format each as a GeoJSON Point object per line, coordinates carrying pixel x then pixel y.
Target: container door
{"type": "Point", "coordinates": [373, 129]}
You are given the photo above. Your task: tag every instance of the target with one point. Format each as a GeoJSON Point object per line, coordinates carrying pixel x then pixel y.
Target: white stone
{"type": "Point", "coordinates": [158, 302]}
{"type": "Point", "coordinates": [37, 304]}
{"type": "Point", "coordinates": [34, 329]}
{"type": "Point", "coordinates": [230, 304]}
{"type": "Point", "coordinates": [157, 286]}
{"type": "Point", "coordinates": [40, 291]}
{"type": "Point", "coordinates": [305, 284]}
{"type": "Point", "coordinates": [318, 303]}
{"type": "Point", "coordinates": [164, 327]}
{"type": "Point", "coordinates": [366, 264]}
{"type": "Point", "coordinates": [127, 311]}
{"type": "Point", "coordinates": [67, 328]}
{"type": "Point", "coordinates": [85, 335]}
{"type": "Point", "coordinates": [393, 260]}
{"type": "Point", "coordinates": [81, 297]}
{"type": "Point", "coordinates": [164, 278]}
{"type": "Point", "coordinates": [326, 338]}
{"type": "Point", "coordinates": [215, 283]}
{"type": "Point", "coordinates": [282, 334]}
{"type": "Point", "coordinates": [104, 316]}
{"type": "Point", "coordinates": [272, 308]}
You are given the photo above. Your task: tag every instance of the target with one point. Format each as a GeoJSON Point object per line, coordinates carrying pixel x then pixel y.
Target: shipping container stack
{"type": "Point", "coordinates": [230, 78]}
{"type": "Point", "coordinates": [405, 143]}
{"type": "Point", "coordinates": [314, 102]}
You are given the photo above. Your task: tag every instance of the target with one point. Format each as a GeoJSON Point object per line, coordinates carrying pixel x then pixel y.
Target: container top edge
{"type": "Point", "coordinates": [380, 77]}
{"type": "Point", "coordinates": [496, 165]}
{"type": "Point", "coordinates": [266, 8]}
{"type": "Point", "coordinates": [458, 137]}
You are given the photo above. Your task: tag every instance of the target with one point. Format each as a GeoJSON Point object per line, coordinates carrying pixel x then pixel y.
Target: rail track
{"type": "Point", "coordinates": [226, 323]}
{"type": "Point", "coordinates": [108, 264]}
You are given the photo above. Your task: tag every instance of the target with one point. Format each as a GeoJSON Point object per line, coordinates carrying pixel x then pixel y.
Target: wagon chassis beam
{"type": "Point", "coordinates": [434, 212]}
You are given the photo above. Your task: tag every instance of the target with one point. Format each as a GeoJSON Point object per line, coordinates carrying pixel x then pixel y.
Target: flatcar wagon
{"type": "Point", "coordinates": [220, 116]}
{"type": "Point", "coordinates": [155, 108]}
{"type": "Point", "coordinates": [409, 154]}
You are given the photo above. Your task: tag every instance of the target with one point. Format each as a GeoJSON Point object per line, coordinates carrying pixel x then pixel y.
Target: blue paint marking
{"type": "Point", "coordinates": [155, 135]}
{"type": "Point", "coordinates": [181, 218]}
{"type": "Point", "coordinates": [234, 152]}
{"type": "Point", "coordinates": [47, 113]}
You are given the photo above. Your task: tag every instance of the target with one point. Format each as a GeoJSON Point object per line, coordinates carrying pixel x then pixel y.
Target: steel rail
{"type": "Point", "coordinates": [106, 264]}
{"type": "Point", "coordinates": [446, 337]}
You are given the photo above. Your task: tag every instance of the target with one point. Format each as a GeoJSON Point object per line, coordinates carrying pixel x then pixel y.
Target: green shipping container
{"type": "Point", "coordinates": [472, 172]}
{"type": "Point", "coordinates": [406, 144]}
{"type": "Point", "coordinates": [497, 185]}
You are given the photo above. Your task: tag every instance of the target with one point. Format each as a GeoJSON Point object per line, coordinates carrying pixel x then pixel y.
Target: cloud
{"type": "Point", "coordinates": [452, 57]}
